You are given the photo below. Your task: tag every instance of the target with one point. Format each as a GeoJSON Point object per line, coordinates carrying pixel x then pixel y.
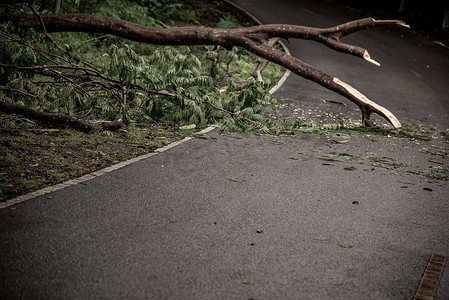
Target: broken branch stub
{"type": "Point", "coordinates": [254, 39]}
{"type": "Point", "coordinates": [365, 102]}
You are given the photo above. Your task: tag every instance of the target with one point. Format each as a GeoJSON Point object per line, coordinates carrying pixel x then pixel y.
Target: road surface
{"type": "Point", "coordinates": [257, 217]}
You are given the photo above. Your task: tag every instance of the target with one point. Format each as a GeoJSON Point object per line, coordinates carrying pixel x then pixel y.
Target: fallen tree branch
{"type": "Point", "coordinates": [253, 39]}
{"type": "Point", "coordinates": [114, 125]}
{"type": "Point", "coordinates": [334, 84]}
{"type": "Point", "coordinates": [17, 91]}
{"type": "Point", "coordinates": [49, 117]}
{"type": "Point", "coordinates": [57, 118]}
{"type": "Point", "coordinates": [263, 63]}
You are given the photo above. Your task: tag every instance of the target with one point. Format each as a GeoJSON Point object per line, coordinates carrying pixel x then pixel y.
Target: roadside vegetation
{"type": "Point", "coordinates": [35, 154]}
{"type": "Point", "coordinates": [165, 94]}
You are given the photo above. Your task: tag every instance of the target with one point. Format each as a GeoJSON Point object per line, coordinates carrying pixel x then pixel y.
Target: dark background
{"type": "Point", "coordinates": [426, 17]}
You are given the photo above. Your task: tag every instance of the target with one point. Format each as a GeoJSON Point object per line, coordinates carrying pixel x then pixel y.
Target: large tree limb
{"type": "Point", "coordinates": [55, 118]}
{"type": "Point", "coordinates": [50, 117]}
{"type": "Point", "coordinates": [251, 38]}
{"type": "Point", "coordinates": [334, 84]}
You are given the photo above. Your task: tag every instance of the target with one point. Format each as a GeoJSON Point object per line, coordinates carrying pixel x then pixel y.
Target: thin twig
{"type": "Point", "coordinates": [17, 91]}
{"type": "Point", "coordinates": [86, 114]}
{"type": "Point", "coordinates": [229, 112]}
{"type": "Point", "coordinates": [124, 95]}
{"type": "Point", "coordinates": [96, 38]}
{"type": "Point", "coordinates": [211, 104]}
{"type": "Point", "coordinates": [41, 21]}
{"type": "Point", "coordinates": [78, 86]}
{"type": "Point", "coordinates": [35, 49]}
{"type": "Point", "coordinates": [264, 62]}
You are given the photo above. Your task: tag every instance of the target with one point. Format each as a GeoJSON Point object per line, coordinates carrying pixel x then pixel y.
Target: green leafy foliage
{"type": "Point", "coordinates": [228, 22]}
{"type": "Point", "coordinates": [162, 84]}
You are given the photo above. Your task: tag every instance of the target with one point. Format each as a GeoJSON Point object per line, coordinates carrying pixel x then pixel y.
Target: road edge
{"type": "Point", "coordinates": [95, 174]}
{"type": "Point", "coordinates": [84, 178]}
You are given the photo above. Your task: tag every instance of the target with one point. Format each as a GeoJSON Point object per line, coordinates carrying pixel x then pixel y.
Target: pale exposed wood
{"type": "Point", "coordinates": [374, 106]}
{"type": "Point", "coordinates": [368, 58]}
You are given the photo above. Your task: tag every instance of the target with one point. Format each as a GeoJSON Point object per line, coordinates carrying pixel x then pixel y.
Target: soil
{"type": "Point", "coordinates": [34, 155]}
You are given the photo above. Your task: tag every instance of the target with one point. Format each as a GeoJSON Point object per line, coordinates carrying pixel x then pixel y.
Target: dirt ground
{"type": "Point", "coordinates": [34, 155]}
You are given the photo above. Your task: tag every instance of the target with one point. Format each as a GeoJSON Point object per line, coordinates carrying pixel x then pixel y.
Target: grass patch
{"type": "Point", "coordinates": [327, 159]}
{"type": "Point", "coordinates": [408, 131]}
{"type": "Point", "coordinates": [346, 156]}
{"type": "Point", "coordinates": [30, 184]}
{"type": "Point", "coordinates": [385, 162]}
{"type": "Point", "coordinates": [50, 155]}
{"type": "Point", "coordinates": [8, 160]}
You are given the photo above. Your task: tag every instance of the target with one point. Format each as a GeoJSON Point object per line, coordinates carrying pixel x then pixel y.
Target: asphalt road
{"type": "Point", "coordinates": [258, 217]}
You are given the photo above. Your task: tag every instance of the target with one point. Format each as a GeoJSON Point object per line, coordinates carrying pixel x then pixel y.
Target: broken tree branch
{"type": "Point", "coordinates": [49, 117]}
{"type": "Point", "coordinates": [57, 118]}
{"type": "Point", "coordinates": [253, 39]}
{"type": "Point", "coordinates": [263, 63]}
{"type": "Point", "coordinates": [17, 91]}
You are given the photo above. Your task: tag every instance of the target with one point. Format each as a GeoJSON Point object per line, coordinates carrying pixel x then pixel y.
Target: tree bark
{"type": "Point", "coordinates": [253, 39]}
{"type": "Point", "coordinates": [56, 118]}
{"type": "Point", "coordinates": [49, 117]}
